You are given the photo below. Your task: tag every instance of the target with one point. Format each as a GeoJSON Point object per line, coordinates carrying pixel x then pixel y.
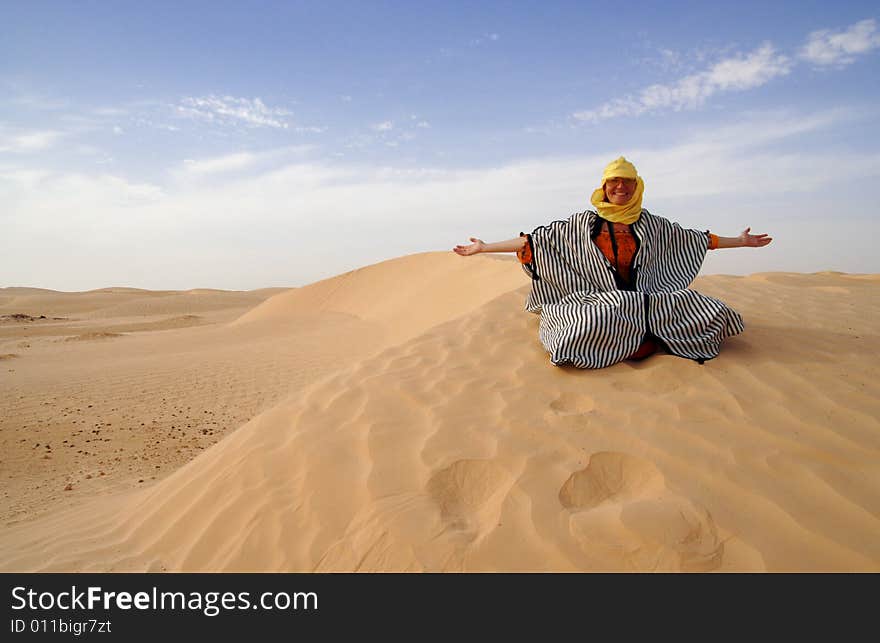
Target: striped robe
{"type": "Point", "coordinates": [588, 322]}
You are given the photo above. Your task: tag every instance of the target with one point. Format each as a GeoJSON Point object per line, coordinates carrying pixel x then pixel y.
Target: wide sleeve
{"type": "Point", "coordinates": [670, 256]}
{"type": "Point", "coordinates": [563, 262]}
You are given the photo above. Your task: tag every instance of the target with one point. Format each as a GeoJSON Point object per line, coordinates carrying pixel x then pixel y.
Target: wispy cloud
{"type": "Point", "coordinates": [671, 63]}
{"type": "Point", "coordinates": [231, 110]}
{"type": "Point", "coordinates": [39, 102]}
{"type": "Point", "coordinates": [390, 133]}
{"type": "Point", "coordinates": [738, 73]}
{"type": "Point", "coordinates": [732, 74]}
{"type": "Point", "coordinates": [226, 163]}
{"type": "Point", "coordinates": [237, 164]}
{"type": "Point", "coordinates": [731, 160]}
{"type": "Point", "coordinates": [488, 37]}
{"type": "Point", "coordinates": [110, 111]}
{"type": "Point", "coordinates": [467, 48]}
{"type": "Point", "coordinates": [666, 60]}
{"type": "Point", "coordinates": [86, 223]}
{"type": "Point", "coordinates": [840, 48]}
{"type": "Point", "coordinates": [32, 141]}
{"type": "Point", "coordinates": [148, 122]}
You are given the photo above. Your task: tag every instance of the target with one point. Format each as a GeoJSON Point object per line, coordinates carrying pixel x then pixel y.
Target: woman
{"type": "Point", "coordinates": [612, 284]}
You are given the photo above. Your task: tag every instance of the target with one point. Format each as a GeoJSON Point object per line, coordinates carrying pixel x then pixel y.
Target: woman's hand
{"type": "Point", "coordinates": [474, 248]}
{"type": "Point", "coordinates": [747, 240]}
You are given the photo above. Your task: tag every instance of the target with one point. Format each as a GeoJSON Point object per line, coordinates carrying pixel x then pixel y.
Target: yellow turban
{"type": "Point", "coordinates": [629, 212]}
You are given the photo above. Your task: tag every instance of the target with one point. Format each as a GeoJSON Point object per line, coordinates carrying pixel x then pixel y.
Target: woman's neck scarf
{"type": "Point", "coordinates": [630, 211]}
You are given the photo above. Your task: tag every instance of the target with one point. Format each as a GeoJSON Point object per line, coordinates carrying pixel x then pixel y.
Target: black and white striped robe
{"type": "Point", "coordinates": [587, 321]}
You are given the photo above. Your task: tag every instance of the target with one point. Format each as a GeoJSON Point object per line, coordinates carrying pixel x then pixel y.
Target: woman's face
{"type": "Point", "coordinates": [619, 191]}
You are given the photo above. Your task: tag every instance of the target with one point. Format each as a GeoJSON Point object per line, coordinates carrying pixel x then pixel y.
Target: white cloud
{"type": "Point", "coordinates": [94, 230]}
{"type": "Point", "coordinates": [669, 58]}
{"type": "Point", "coordinates": [34, 141]}
{"type": "Point", "coordinates": [110, 111]}
{"type": "Point", "coordinates": [226, 163]}
{"type": "Point", "coordinates": [40, 102]}
{"type": "Point", "coordinates": [146, 122]}
{"type": "Point", "coordinates": [666, 61]}
{"type": "Point", "coordinates": [756, 129]}
{"type": "Point", "coordinates": [310, 130]}
{"type": "Point", "coordinates": [389, 133]}
{"type": "Point", "coordinates": [23, 178]}
{"type": "Point", "coordinates": [90, 199]}
{"type": "Point", "coordinates": [756, 69]}
{"type": "Point", "coordinates": [359, 141]}
{"type": "Point", "coordinates": [738, 73]}
{"type": "Point", "coordinates": [476, 42]}
{"type": "Point", "coordinates": [231, 110]}
{"type": "Point", "coordinates": [840, 48]}
{"type": "Point", "coordinates": [732, 74]}
{"type": "Point", "coordinates": [193, 172]}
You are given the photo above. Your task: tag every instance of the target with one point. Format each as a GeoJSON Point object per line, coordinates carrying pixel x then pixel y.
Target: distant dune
{"type": "Point", "coordinates": [404, 417]}
{"type": "Point", "coordinates": [123, 302]}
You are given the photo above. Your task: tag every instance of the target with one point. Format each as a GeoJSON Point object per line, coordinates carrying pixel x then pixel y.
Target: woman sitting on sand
{"type": "Point", "coordinates": [612, 284]}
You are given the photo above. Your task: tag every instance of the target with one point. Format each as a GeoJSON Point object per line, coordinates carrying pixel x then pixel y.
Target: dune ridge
{"type": "Point", "coordinates": [441, 439]}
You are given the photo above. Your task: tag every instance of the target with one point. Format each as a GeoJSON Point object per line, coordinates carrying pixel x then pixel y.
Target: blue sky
{"type": "Point", "coordinates": [241, 145]}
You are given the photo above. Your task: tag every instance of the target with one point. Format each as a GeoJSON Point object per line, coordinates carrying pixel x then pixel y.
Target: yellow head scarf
{"type": "Point", "coordinates": [629, 212]}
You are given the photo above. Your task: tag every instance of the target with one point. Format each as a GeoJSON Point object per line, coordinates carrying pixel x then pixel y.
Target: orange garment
{"type": "Point", "coordinates": [624, 258]}
{"type": "Point", "coordinates": [626, 247]}
{"type": "Point", "coordinates": [525, 253]}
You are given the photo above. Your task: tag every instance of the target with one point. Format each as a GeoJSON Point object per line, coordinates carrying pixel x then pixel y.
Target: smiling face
{"type": "Point", "coordinates": [619, 191]}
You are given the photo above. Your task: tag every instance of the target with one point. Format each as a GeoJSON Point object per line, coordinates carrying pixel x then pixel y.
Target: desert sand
{"type": "Point", "coordinates": [404, 417]}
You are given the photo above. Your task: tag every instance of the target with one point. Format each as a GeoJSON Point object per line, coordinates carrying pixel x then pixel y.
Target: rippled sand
{"type": "Point", "coordinates": [405, 417]}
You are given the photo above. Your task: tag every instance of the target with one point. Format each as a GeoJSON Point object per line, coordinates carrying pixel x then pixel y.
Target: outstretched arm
{"type": "Point", "coordinates": [744, 240]}
{"type": "Point", "coordinates": [478, 245]}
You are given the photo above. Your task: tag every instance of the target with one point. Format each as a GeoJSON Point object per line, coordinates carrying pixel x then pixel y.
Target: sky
{"type": "Point", "coordinates": [242, 145]}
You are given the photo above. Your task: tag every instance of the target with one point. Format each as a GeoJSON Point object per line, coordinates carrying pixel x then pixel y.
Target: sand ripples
{"type": "Point", "coordinates": [460, 447]}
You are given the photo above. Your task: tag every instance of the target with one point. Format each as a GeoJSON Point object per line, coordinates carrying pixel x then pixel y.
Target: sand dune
{"type": "Point", "coordinates": [123, 302]}
{"type": "Point", "coordinates": [407, 295]}
{"type": "Point", "coordinates": [19, 290]}
{"type": "Point", "coordinates": [157, 399]}
{"type": "Point", "coordinates": [410, 420]}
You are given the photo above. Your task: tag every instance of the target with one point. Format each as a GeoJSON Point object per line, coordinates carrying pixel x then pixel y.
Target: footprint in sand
{"type": "Point", "coordinates": [621, 513]}
{"type": "Point", "coordinates": [572, 404]}
{"type": "Point", "coordinates": [570, 409]}
{"type": "Point", "coordinates": [469, 494]}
